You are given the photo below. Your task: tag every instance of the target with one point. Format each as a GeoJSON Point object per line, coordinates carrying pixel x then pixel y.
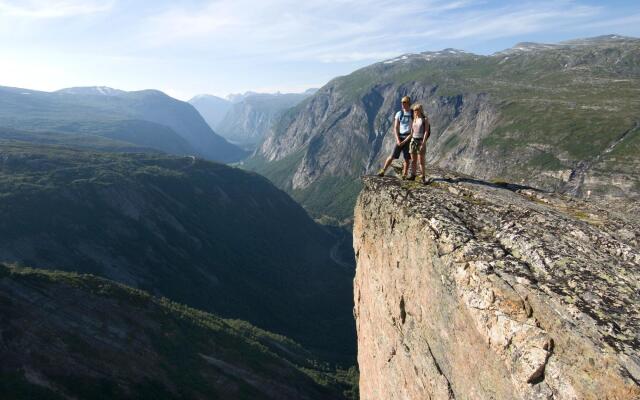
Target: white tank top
{"type": "Point", "coordinates": [416, 129]}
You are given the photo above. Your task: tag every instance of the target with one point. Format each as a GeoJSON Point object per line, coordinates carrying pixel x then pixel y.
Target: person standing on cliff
{"type": "Point", "coordinates": [401, 129]}
{"type": "Point", "coordinates": [420, 132]}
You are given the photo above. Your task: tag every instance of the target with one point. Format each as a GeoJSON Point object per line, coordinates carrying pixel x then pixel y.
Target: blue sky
{"type": "Point", "coordinates": [219, 47]}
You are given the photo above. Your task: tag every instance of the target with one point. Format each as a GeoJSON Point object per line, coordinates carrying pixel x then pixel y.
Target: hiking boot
{"type": "Point", "coordinates": [381, 172]}
{"type": "Point", "coordinates": [411, 177]}
{"type": "Point", "coordinates": [403, 177]}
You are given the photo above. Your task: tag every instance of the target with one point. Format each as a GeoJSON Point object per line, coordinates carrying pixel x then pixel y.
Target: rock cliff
{"type": "Point", "coordinates": [471, 290]}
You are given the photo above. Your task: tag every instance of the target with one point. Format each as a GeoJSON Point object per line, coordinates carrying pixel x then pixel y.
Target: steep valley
{"type": "Point", "coordinates": [246, 120]}
{"type": "Point", "coordinates": [199, 233]}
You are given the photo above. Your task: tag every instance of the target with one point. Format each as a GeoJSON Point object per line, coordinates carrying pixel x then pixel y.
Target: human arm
{"type": "Point", "coordinates": [396, 129]}
{"type": "Point", "coordinates": [427, 133]}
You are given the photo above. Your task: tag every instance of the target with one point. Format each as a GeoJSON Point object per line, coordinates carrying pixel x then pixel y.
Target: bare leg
{"type": "Point", "coordinates": [424, 172]}
{"type": "Point", "coordinates": [405, 168]}
{"type": "Point", "coordinates": [413, 164]}
{"type": "Point", "coordinates": [387, 163]}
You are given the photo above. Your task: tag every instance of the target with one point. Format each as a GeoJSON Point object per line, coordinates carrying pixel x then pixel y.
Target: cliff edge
{"type": "Point", "coordinates": [470, 290]}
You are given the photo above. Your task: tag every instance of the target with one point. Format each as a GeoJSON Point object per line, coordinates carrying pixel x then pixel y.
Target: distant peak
{"type": "Point", "coordinates": [426, 55]}
{"type": "Point", "coordinates": [238, 97]}
{"type": "Point", "coordinates": [205, 97]}
{"type": "Point", "coordinates": [602, 39]}
{"type": "Point", "coordinates": [532, 46]}
{"type": "Point", "coordinates": [100, 90]}
{"type": "Point", "coordinates": [92, 90]}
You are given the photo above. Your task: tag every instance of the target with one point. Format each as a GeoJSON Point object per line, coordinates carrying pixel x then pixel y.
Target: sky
{"type": "Point", "coordinates": [189, 47]}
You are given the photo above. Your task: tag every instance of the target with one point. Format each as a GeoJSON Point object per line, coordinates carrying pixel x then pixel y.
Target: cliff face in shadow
{"type": "Point", "coordinates": [202, 234]}
{"type": "Point", "coordinates": [70, 336]}
{"type": "Point", "coordinates": [466, 290]}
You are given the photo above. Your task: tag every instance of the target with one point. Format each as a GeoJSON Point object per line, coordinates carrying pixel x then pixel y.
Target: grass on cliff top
{"type": "Point", "coordinates": [187, 334]}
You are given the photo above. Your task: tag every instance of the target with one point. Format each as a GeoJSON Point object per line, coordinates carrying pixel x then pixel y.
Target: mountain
{"type": "Point", "coordinates": [92, 90]}
{"type": "Point", "coordinates": [144, 118]}
{"type": "Point", "coordinates": [250, 117]}
{"type": "Point", "coordinates": [238, 97]}
{"type": "Point", "coordinates": [200, 233]}
{"type": "Point", "coordinates": [74, 140]}
{"type": "Point", "coordinates": [65, 335]}
{"type": "Point", "coordinates": [560, 117]}
{"type": "Point", "coordinates": [212, 108]}
{"type": "Point", "coordinates": [499, 291]}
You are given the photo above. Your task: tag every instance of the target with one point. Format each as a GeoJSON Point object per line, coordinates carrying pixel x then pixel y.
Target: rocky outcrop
{"type": "Point", "coordinates": [471, 290]}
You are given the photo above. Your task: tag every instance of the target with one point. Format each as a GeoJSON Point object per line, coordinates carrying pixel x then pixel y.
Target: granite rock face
{"type": "Point", "coordinates": [471, 290]}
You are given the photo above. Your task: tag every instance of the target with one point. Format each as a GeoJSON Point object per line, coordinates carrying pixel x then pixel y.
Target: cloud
{"type": "Point", "coordinates": [506, 22]}
{"type": "Point", "coordinates": [287, 25]}
{"type": "Point", "coordinates": [42, 9]}
{"type": "Point", "coordinates": [615, 23]}
{"type": "Point", "coordinates": [347, 31]}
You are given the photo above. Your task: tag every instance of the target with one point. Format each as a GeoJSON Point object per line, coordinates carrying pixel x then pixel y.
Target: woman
{"type": "Point", "coordinates": [420, 131]}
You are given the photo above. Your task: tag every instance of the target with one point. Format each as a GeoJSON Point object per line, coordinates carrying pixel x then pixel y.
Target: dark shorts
{"type": "Point", "coordinates": [401, 149]}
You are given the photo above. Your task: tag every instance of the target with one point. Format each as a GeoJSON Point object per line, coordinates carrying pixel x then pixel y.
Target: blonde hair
{"type": "Point", "coordinates": [418, 107]}
{"type": "Point", "coordinates": [406, 98]}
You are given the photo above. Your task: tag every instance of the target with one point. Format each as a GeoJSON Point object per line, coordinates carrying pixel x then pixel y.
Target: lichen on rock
{"type": "Point", "coordinates": [471, 290]}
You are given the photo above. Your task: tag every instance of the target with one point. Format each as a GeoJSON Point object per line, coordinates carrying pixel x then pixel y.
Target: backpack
{"type": "Point", "coordinates": [403, 114]}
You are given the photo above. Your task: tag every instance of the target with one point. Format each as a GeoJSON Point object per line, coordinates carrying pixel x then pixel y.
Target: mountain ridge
{"type": "Point", "coordinates": [87, 111]}
{"type": "Point", "coordinates": [528, 116]}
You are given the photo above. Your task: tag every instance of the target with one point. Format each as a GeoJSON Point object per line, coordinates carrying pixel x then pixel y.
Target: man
{"type": "Point", "coordinates": [401, 130]}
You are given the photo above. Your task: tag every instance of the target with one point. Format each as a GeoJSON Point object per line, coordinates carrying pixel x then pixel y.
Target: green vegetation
{"type": "Point", "coordinates": [145, 119]}
{"type": "Point", "coordinates": [203, 234]}
{"type": "Point", "coordinates": [547, 109]}
{"type": "Point", "coordinates": [331, 198]}
{"type": "Point", "coordinates": [278, 171]}
{"type": "Point", "coordinates": [179, 336]}
{"type": "Point", "coordinates": [14, 386]}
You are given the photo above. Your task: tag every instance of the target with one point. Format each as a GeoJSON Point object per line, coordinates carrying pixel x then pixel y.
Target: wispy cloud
{"type": "Point", "coordinates": [220, 46]}
{"type": "Point", "coordinates": [292, 26]}
{"type": "Point", "coordinates": [506, 22]}
{"type": "Point", "coordinates": [43, 9]}
{"type": "Point", "coordinates": [350, 30]}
